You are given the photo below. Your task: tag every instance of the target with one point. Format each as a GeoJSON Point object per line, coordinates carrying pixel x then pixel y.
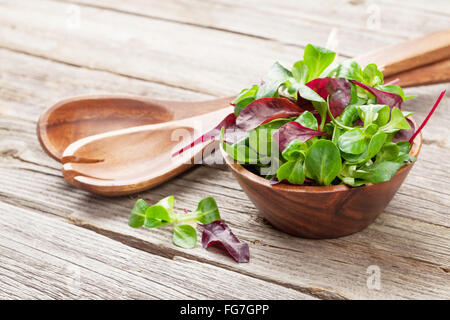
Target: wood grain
{"type": "Point", "coordinates": [409, 241]}
{"type": "Point", "coordinates": [49, 259]}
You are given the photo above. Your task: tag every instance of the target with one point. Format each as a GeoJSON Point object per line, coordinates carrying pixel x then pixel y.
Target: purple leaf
{"type": "Point", "coordinates": [294, 131]}
{"type": "Point", "coordinates": [218, 233]}
{"type": "Point", "coordinates": [404, 134]}
{"type": "Point", "coordinates": [383, 97]}
{"type": "Point", "coordinates": [338, 89]}
{"type": "Point", "coordinates": [265, 110]}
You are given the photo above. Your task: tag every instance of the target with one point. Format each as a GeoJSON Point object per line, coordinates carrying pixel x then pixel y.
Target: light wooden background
{"type": "Point", "coordinates": [60, 242]}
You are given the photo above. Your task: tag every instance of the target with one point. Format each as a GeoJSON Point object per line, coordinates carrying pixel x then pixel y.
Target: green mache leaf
{"type": "Point", "coordinates": [350, 70]}
{"type": "Point", "coordinates": [321, 108]}
{"type": "Point", "coordinates": [323, 162]}
{"type": "Point", "coordinates": [376, 143]}
{"type": "Point", "coordinates": [137, 217]}
{"type": "Point", "coordinates": [292, 171]}
{"type": "Point", "coordinates": [353, 141]}
{"type": "Point", "coordinates": [393, 88]}
{"type": "Point", "coordinates": [277, 76]}
{"type": "Point", "coordinates": [309, 94]}
{"type": "Point", "coordinates": [239, 151]}
{"type": "Point", "coordinates": [397, 122]}
{"type": "Point", "coordinates": [295, 150]}
{"type": "Point", "coordinates": [373, 76]}
{"type": "Point", "coordinates": [244, 99]}
{"type": "Point", "coordinates": [317, 59]}
{"type": "Point", "coordinates": [337, 132]}
{"type": "Point", "coordinates": [374, 113]}
{"type": "Point", "coordinates": [349, 115]}
{"type": "Point", "coordinates": [308, 120]}
{"type": "Point", "coordinates": [207, 211]}
{"type": "Point", "coordinates": [353, 182]}
{"type": "Point", "coordinates": [157, 216]}
{"type": "Point", "coordinates": [184, 236]}
{"type": "Point", "coordinates": [379, 172]}
{"type": "Point", "coordinates": [260, 139]}
{"type": "Point", "coordinates": [300, 72]}
{"type": "Point", "coordinates": [404, 146]}
{"type": "Point", "coordinates": [389, 152]}
{"type": "Point", "coordinates": [370, 130]}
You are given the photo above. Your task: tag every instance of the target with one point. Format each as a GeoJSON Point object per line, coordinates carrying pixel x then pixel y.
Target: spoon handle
{"type": "Point", "coordinates": [410, 54]}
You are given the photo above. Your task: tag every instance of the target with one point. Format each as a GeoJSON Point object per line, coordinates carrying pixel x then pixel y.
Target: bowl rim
{"type": "Point", "coordinates": [240, 170]}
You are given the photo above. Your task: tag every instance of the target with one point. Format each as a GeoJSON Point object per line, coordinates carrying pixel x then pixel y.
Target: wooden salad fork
{"type": "Point", "coordinates": [136, 158]}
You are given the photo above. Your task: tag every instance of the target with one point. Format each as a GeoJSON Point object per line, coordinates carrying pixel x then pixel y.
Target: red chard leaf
{"type": "Point", "coordinates": [338, 89]}
{"type": "Point", "coordinates": [383, 97]}
{"type": "Point", "coordinates": [265, 110]}
{"type": "Point", "coordinates": [428, 116]}
{"type": "Point", "coordinates": [218, 233]}
{"type": "Point", "coordinates": [294, 131]}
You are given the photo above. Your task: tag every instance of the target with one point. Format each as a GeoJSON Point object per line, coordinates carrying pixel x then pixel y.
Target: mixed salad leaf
{"type": "Point", "coordinates": [318, 123]}
{"type": "Point", "coordinates": [206, 217]}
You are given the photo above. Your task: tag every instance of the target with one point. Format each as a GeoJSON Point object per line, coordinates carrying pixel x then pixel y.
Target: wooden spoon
{"type": "Point", "coordinates": [419, 61]}
{"type": "Point", "coordinates": [134, 159]}
{"type": "Point", "coordinates": [76, 118]}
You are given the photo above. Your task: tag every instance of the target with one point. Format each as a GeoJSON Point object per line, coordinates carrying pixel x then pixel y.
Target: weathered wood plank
{"type": "Point", "coordinates": [43, 258]}
{"type": "Point", "coordinates": [293, 21]}
{"type": "Point", "coordinates": [200, 59]}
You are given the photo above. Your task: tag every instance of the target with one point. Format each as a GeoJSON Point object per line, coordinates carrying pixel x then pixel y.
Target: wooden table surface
{"type": "Point", "coordinates": [59, 242]}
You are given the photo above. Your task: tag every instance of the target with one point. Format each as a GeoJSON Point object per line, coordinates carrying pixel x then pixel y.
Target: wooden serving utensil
{"type": "Point", "coordinates": [137, 158]}
{"type": "Point", "coordinates": [415, 62]}
{"type": "Point", "coordinates": [134, 159]}
{"type": "Point", "coordinates": [73, 119]}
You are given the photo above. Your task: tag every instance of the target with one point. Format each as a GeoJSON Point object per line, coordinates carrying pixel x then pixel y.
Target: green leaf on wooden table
{"type": "Point", "coordinates": [207, 210]}
{"type": "Point", "coordinates": [397, 122]}
{"type": "Point", "coordinates": [317, 59]}
{"type": "Point", "coordinates": [353, 141]}
{"type": "Point", "coordinates": [379, 172]}
{"type": "Point", "coordinates": [157, 216]}
{"type": "Point", "coordinates": [323, 162]}
{"type": "Point", "coordinates": [308, 120]}
{"type": "Point", "coordinates": [292, 171]}
{"type": "Point", "coordinates": [137, 217]}
{"type": "Point", "coordinates": [277, 75]}
{"type": "Point", "coordinates": [184, 236]}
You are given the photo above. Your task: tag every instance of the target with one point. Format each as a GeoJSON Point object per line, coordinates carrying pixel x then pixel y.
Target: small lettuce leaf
{"type": "Point", "coordinates": [317, 59]}
{"type": "Point", "coordinates": [137, 217]}
{"type": "Point", "coordinates": [184, 236]}
{"type": "Point", "coordinates": [292, 171]}
{"type": "Point", "coordinates": [379, 172]}
{"type": "Point", "coordinates": [323, 162]}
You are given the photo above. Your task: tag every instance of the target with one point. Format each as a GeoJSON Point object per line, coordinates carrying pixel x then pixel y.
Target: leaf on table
{"type": "Point", "coordinates": [218, 233]}
{"type": "Point", "coordinates": [184, 236]}
{"type": "Point", "coordinates": [137, 217]}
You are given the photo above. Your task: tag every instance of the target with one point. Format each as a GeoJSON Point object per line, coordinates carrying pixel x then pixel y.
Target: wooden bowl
{"type": "Point", "coordinates": [317, 212]}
